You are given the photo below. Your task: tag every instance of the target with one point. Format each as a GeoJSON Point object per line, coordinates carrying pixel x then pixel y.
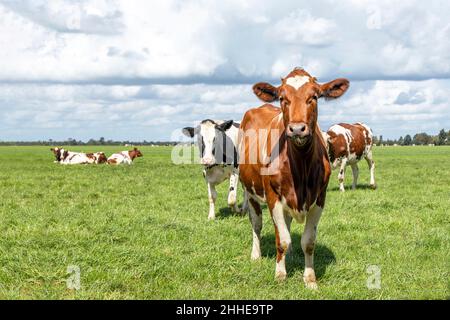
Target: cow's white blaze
{"type": "Point", "coordinates": [297, 81]}
{"type": "Point", "coordinates": [207, 133]}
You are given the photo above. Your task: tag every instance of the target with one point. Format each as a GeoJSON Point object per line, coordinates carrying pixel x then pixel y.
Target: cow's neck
{"type": "Point", "coordinates": [303, 167]}
{"type": "Point", "coordinates": [301, 156]}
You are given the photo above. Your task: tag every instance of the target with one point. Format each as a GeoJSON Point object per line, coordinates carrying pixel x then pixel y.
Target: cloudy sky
{"type": "Point", "coordinates": [141, 69]}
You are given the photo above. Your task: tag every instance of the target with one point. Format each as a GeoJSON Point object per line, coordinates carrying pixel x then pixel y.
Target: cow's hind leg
{"type": "Point", "coordinates": [341, 175]}
{"type": "Point", "coordinates": [282, 239]}
{"type": "Point", "coordinates": [355, 171]}
{"type": "Point", "coordinates": [212, 196]}
{"type": "Point", "coordinates": [255, 215]}
{"type": "Point", "coordinates": [371, 164]}
{"type": "Point", "coordinates": [232, 191]}
{"type": "Point", "coordinates": [308, 244]}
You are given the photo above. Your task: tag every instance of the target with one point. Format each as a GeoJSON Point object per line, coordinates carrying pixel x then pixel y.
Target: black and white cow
{"type": "Point", "coordinates": [218, 154]}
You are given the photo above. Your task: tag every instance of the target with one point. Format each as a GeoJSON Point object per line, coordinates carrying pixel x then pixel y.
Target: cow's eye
{"type": "Point", "coordinates": [312, 99]}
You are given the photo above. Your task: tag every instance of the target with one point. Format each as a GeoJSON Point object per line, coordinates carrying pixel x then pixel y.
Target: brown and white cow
{"type": "Point", "coordinates": [347, 144]}
{"type": "Point", "coordinates": [290, 170]}
{"type": "Point", "coordinates": [124, 157]}
{"type": "Point", "coordinates": [66, 157]}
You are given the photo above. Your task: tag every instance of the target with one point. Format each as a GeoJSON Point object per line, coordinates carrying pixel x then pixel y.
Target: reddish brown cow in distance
{"type": "Point", "coordinates": [290, 170]}
{"type": "Point", "coordinates": [347, 144]}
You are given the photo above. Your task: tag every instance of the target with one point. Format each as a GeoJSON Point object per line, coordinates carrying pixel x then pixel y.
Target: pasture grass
{"type": "Point", "coordinates": [141, 232]}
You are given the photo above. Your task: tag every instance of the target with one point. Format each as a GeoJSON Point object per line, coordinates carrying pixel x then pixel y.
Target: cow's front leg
{"type": "Point", "coordinates": [308, 243]}
{"type": "Point", "coordinates": [341, 175]}
{"type": "Point", "coordinates": [212, 196]}
{"type": "Point", "coordinates": [232, 191]}
{"type": "Point", "coordinates": [282, 239]}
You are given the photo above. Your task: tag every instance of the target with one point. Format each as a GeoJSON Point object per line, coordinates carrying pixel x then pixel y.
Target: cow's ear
{"type": "Point", "coordinates": [265, 91]}
{"type": "Point", "coordinates": [189, 132]}
{"type": "Point", "coordinates": [225, 126]}
{"type": "Point", "coordinates": [334, 89]}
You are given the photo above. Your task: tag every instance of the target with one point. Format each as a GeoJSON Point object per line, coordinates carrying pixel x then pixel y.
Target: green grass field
{"type": "Point", "coordinates": [141, 232]}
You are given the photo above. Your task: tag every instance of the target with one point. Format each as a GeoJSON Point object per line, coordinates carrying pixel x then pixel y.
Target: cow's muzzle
{"type": "Point", "coordinates": [208, 161]}
{"type": "Point", "coordinates": [299, 133]}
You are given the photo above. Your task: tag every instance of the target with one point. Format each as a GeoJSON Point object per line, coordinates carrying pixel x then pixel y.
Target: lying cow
{"type": "Point", "coordinates": [217, 146]}
{"type": "Point", "coordinates": [290, 168]}
{"type": "Point", "coordinates": [124, 157]}
{"type": "Point", "coordinates": [347, 144]}
{"type": "Point", "coordinates": [68, 157]}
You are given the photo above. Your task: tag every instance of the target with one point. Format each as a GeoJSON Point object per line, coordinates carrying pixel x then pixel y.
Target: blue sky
{"type": "Point", "coordinates": [142, 69]}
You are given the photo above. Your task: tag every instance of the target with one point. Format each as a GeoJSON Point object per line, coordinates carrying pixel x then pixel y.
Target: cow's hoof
{"type": "Point", "coordinates": [373, 186]}
{"type": "Point", "coordinates": [255, 256]}
{"type": "Point", "coordinates": [211, 217]}
{"type": "Point", "coordinates": [280, 276]}
{"type": "Point", "coordinates": [311, 285]}
{"type": "Point", "coordinates": [231, 200]}
{"type": "Point", "coordinates": [309, 278]}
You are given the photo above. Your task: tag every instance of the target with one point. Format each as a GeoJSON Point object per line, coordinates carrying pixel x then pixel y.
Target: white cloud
{"type": "Point", "coordinates": [391, 108]}
{"type": "Point", "coordinates": [302, 27]}
{"type": "Point", "coordinates": [68, 68]}
{"type": "Point", "coordinates": [179, 41]}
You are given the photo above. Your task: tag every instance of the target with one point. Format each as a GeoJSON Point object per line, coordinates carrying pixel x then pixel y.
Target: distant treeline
{"type": "Point", "coordinates": [90, 142]}
{"type": "Point", "coordinates": [442, 138]}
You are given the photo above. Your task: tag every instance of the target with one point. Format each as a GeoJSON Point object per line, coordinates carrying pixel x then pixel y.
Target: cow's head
{"type": "Point", "coordinates": [60, 154]}
{"type": "Point", "coordinates": [298, 95]}
{"type": "Point", "coordinates": [211, 137]}
{"type": "Point", "coordinates": [135, 153]}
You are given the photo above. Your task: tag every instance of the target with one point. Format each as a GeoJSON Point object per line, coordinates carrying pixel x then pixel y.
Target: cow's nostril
{"type": "Point", "coordinates": [291, 129]}
{"type": "Point", "coordinates": [303, 128]}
